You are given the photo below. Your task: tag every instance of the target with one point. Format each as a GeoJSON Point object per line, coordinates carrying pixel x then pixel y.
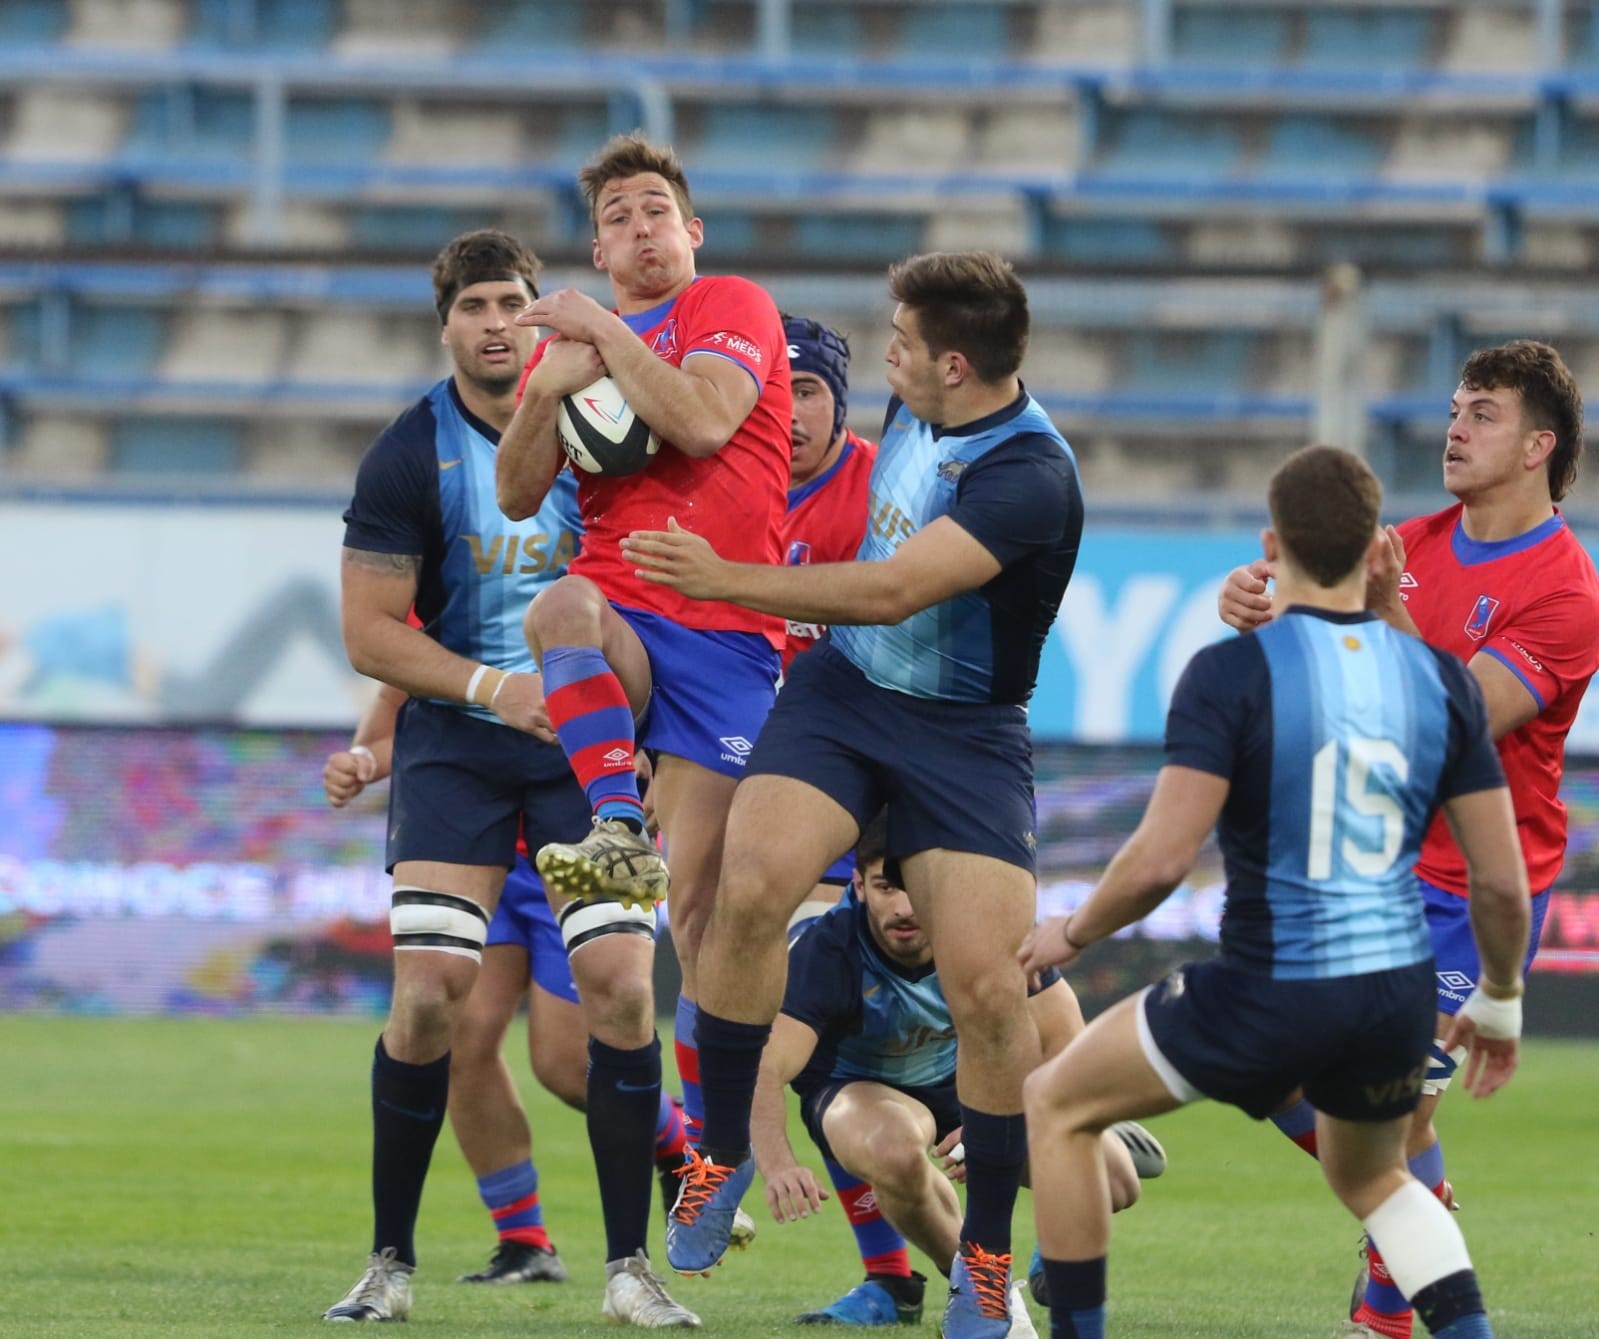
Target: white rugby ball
{"type": "Point", "coordinates": [601, 434]}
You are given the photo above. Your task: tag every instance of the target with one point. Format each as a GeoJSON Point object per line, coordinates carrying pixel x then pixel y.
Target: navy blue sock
{"type": "Point", "coordinates": [408, 1103]}
{"type": "Point", "coordinates": [1451, 1307]}
{"type": "Point", "coordinates": [996, 1152]}
{"type": "Point", "coordinates": [730, 1058]}
{"type": "Point", "coordinates": [624, 1099]}
{"type": "Point", "coordinates": [1076, 1298]}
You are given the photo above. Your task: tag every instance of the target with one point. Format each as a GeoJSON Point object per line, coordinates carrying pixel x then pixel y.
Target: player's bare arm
{"type": "Point", "coordinates": [696, 407]}
{"type": "Point", "coordinates": [1243, 602]}
{"type": "Point", "coordinates": [933, 565]}
{"type": "Point", "coordinates": [1484, 824]}
{"type": "Point", "coordinates": [378, 590]}
{"type": "Point", "coordinates": [1510, 705]}
{"type": "Point", "coordinates": [530, 453]}
{"type": "Point", "coordinates": [791, 1190]}
{"type": "Point", "coordinates": [1151, 863]}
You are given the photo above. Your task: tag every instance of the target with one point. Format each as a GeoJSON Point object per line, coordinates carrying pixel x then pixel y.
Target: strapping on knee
{"type": "Point", "coordinates": [583, 922]}
{"type": "Point", "coordinates": [439, 922]}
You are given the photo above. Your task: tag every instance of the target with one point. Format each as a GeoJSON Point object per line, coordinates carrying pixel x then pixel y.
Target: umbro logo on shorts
{"type": "Point", "coordinates": [735, 748]}
{"type": "Point", "coordinates": [1456, 980]}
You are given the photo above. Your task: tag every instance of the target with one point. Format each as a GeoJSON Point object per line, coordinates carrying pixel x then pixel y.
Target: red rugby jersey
{"type": "Point", "coordinates": [826, 522]}
{"type": "Point", "coordinates": [735, 498]}
{"type": "Point", "coordinates": [1531, 602]}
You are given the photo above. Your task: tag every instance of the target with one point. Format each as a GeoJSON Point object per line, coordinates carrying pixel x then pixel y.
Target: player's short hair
{"type": "Point", "coordinates": [1324, 507]}
{"type": "Point", "coordinates": [1550, 400]}
{"type": "Point", "coordinates": [872, 844]}
{"type": "Point", "coordinates": [970, 302]}
{"type": "Point", "coordinates": [631, 155]}
{"type": "Point", "coordinates": [480, 257]}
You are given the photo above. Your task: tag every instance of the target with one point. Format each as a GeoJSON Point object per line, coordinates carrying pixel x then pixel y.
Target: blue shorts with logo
{"type": "Point", "coordinates": [1454, 950]}
{"type": "Point", "coordinates": [939, 1098]}
{"type": "Point", "coordinates": [1358, 1045]}
{"type": "Point", "coordinates": [956, 776]}
{"type": "Point", "coordinates": [524, 919]}
{"type": "Point", "coordinates": [710, 691]}
{"type": "Point", "coordinates": [463, 789]}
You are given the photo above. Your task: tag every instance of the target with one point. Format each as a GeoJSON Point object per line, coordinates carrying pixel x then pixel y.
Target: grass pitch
{"type": "Point", "coordinates": [210, 1178]}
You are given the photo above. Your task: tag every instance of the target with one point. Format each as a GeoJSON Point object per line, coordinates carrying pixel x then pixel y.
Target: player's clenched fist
{"type": "Point", "coordinates": [346, 774]}
{"type": "Point", "coordinates": [1244, 602]}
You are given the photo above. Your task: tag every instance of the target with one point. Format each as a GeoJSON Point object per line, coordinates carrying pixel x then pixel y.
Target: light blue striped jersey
{"type": "Point", "coordinates": [1340, 737]}
{"type": "Point", "coordinates": [1010, 481]}
{"type": "Point", "coordinates": [426, 488]}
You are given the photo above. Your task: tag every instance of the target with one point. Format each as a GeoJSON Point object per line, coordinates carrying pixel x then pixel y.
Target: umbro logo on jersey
{"type": "Point", "coordinates": [618, 756]}
{"type": "Point", "coordinates": [1481, 616]}
{"type": "Point", "coordinates": [1407, 582]}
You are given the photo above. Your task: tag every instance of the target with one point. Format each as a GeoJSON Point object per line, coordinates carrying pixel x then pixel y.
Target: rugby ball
{"type": "Point", "coordinates": [601, 434]}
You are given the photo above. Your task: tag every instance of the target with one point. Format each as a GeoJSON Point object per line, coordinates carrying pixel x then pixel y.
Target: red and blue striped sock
{"type": "Point", "coordinates": [687, 1050]}
{"type": "Point", "coordinates": [511, 1195]}
{"type": "Point", "coordinates": [882, 1248]}
{"type": "Point", "coordinates": [1299, 1124]}
{"type": "Point", "coordinates": [594, 723]}
{"type": "Point", "coordinates": [671, 1132]}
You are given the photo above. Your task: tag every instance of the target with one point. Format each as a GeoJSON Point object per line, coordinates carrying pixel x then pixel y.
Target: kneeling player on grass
{"type": "Point", "coordinates": [866, 1039]}
{"type": "Point", "coordinates": [1320, 747]}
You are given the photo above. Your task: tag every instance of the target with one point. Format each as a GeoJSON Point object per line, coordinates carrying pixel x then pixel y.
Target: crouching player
{"type": "Point", "coordinates": [1320, 746]}
{"type": "Point", "coordinates": [866, 1038]}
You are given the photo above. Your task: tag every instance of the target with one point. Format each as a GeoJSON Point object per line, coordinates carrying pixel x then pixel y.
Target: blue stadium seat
{"type": "Point", "coordinates": [1360, 38]}
{"type": "Point", "coordinates": [1149, 139]}
{"type": "Point", "coordinates": [1197, 360]}
{"type": "Point", "coordinates": [338, 131]}
{"type": "Point", "coordinates": [193, 124]}
{"type": "Point", "coordinates": [272, 25]}
{"type": "Point", "coordinates": [1246, 36]}
{"type": "Point", "coordinates": [517, 27]}
{"type": "Point", "coordinates": [1320, 146]}
{"type": "Point", "coordinates": [742, 135]}
{"type": "Point", "coordinates": [1114, 241]}
{"type": "Point", "coordinates": [584, 127]}
{"type": "Point", "coordinates": [970, 31]}
{"type": "Point", "coordinates": [410, 228]}
{"type": "Point", "coordinates": [114, 221]}
{"type": "Point", "coordinates": [176, 446]}
{"type": "Point", "coordinates": [117, 341]}
{"type": "Point", "coordinates": [1582, 36]}
{"type": "Point", "coordinates": [857, 236]}
{"type": "Point", "coordinates": [826, 30]}
{"type": "Point", "coordinates": [33, 22]}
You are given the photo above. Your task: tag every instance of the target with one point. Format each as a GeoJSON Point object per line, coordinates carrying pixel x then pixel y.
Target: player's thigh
{"type": "Point", "coordinates": [782, 835]}
{"type": "Point", "coordinates": [573, 611]}
{"type": "Point", "coordinates": [418, 970]}
{"type": "Point", "coordinates": [1104, 1076]}
{"type": "Point", "coordinates": [976, 910]}
{"type": "Point", "coordinates": [874, 1130]}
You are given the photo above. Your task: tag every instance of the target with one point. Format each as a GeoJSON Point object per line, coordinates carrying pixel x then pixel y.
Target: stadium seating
{"type": "Point", "coordinates": [1409, 136]}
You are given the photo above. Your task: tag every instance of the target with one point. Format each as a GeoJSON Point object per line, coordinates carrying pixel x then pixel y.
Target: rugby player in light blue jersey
{"type": "Point", "coordinates": [475, 764]}
{"type": "Point", "coordinates": [916, 700]}
{"type": "Point", "coordinates": [1319, 748]}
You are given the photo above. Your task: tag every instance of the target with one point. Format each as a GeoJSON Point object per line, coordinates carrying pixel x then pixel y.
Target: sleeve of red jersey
{"type": "Point", "coordinates": [1552, 644]}
{"type": "Point", "coordinates": [736, 320]}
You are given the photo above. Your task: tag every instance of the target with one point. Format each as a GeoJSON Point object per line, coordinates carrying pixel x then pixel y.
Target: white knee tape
{"type": "Point", "coordinates": [584, 922]}
{"type": "Point", "coordinates": [438, 922]}
{"type": "Point", "coordinates": [1441, 1067]}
